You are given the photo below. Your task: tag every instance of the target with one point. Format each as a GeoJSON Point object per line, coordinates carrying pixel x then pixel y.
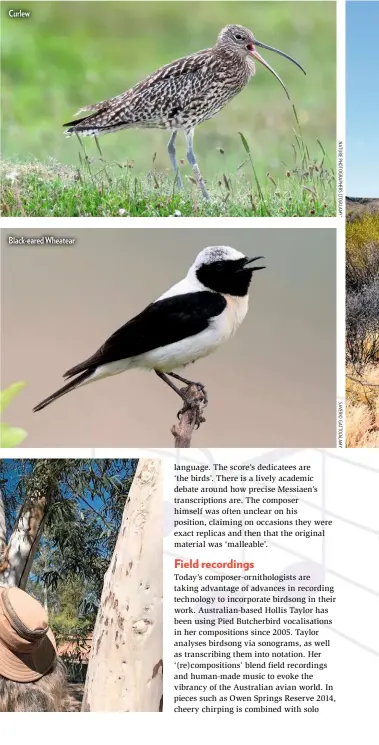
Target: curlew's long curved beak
{"type": "Point", "coordinates": [253, 52]}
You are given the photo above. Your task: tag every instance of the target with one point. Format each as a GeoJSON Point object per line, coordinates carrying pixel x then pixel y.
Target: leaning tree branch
{"type": "Point", "coordinates": [23, 543]}
{"type": "Point", "coordinates": [32, 552]}
{"type": "Point", "coordinates": [191, 418]}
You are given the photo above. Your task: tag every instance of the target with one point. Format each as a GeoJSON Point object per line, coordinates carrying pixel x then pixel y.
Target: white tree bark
{"type": "Point", "coordinates": [17, 557]}
{"type": "Point", "coordinates": [125, 667]}
{"type": "Point", "coordinates": [3, 525]}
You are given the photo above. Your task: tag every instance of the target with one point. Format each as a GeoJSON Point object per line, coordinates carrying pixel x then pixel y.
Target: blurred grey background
{"type": "Point", "coordinates": [272, 385]}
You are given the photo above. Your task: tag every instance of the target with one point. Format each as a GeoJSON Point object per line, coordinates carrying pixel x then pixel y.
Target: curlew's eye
{"type": "Point", "coordinates": [238, 36]}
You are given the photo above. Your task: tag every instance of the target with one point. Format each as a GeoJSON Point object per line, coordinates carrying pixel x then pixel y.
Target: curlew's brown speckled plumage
{"type": "Point", "coordinates": [182, 94]}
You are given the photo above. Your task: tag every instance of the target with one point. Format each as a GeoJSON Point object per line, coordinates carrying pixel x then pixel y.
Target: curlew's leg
{"type": "Point", "coordinates": [172, 153]}
{"type": "Point", "coordinates": [192, 161]}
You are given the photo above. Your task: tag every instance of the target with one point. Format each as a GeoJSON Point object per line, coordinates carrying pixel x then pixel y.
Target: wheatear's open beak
{"type": "Point", "coordinates": [253, 52]}
{"type": "Point", "coordinates": [250, 261]}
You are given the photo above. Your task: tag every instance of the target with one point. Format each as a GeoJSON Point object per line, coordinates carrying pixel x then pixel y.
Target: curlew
{"type": "Point", "coordinates": [182, 94]}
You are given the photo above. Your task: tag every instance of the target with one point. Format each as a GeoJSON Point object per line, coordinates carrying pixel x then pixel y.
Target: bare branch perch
{"type": "Point", "coordinates": [191, 418]}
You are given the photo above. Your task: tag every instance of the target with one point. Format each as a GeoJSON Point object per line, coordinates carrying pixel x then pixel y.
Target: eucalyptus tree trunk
{"type": "Point", "coordinates": [17, 556]}
{"type": "Point", "coordinates": [3, 525]}
{"type": "Point", "coordinates": [125, 666]}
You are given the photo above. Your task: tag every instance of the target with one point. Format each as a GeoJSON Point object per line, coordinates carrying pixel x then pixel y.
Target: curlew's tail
{"type": "Point", "coordinates": [65, 389]}
{"type": "Point", "coordinates": [87, 128]}
{"type": "Point", "coordinates": [102, 117]}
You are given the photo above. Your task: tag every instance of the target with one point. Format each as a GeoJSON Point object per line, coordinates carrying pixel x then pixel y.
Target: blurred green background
{"type": "Point", "coordinates": [69, 54]}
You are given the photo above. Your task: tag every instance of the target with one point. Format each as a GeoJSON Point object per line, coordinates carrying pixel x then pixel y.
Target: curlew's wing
{"type": "Point", "coordinates": [158, 96]}
{"type": "Point", "coordinates": [164, 322]}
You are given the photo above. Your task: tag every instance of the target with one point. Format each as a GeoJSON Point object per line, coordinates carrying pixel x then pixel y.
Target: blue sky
{"type": "Point", "coordinates": [362, 98]}
{"type": "Point", "coordinates": [12, 470]}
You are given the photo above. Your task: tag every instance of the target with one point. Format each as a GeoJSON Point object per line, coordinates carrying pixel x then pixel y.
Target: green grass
{"type": "Point", "coordinates": [61, 59]}
{"type": "Point", "coordinates": [100, 188]}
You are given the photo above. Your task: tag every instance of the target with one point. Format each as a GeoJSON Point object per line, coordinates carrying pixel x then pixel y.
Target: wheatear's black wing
{"type": "Point", "coordinates": [164, 322]}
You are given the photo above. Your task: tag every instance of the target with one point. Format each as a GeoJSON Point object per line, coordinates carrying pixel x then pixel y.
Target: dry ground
{"type": "Point", "coordinates": [76, 691]}
{"type": "Point", "coordinates": [362, 408]}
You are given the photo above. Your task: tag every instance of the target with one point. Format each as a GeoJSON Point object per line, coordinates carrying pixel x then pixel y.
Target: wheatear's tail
{"type": "Point", "coordinates": [65, 389]}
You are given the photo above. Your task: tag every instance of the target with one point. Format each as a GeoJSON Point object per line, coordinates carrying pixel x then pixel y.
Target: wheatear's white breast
{"type": "Point", "coordinates": [183, 352]}
{"type": "Point", "coordinates": [236, 309]}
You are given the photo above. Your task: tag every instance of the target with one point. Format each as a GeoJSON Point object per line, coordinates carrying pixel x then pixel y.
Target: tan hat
{"type": "Point", "coordinates": [27, 644]}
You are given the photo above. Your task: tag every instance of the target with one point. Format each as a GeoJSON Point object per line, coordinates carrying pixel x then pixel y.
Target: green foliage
{"type": "Point", "coordinates": [10, 437]}
{"type": "Point", "coordinates": [58, 61]}
{"type": "Point", "coordinates": [70, 618]}
{"type": "Point", "coordinates": [7, 395]}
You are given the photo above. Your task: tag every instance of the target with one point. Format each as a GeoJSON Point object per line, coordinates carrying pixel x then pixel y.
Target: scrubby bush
{"type": "Point", "coordinates": [362, 325]}
{"type": "Point", "coordinates": [362, 328]}
{"type": "Point", "coordinates": [362, 252]}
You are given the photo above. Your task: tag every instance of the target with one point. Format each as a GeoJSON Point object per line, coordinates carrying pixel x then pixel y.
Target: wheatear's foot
{"type": "Point", "coordinates": [201, 388]}
{"type": "Point", "coordinates": [195, 405]}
